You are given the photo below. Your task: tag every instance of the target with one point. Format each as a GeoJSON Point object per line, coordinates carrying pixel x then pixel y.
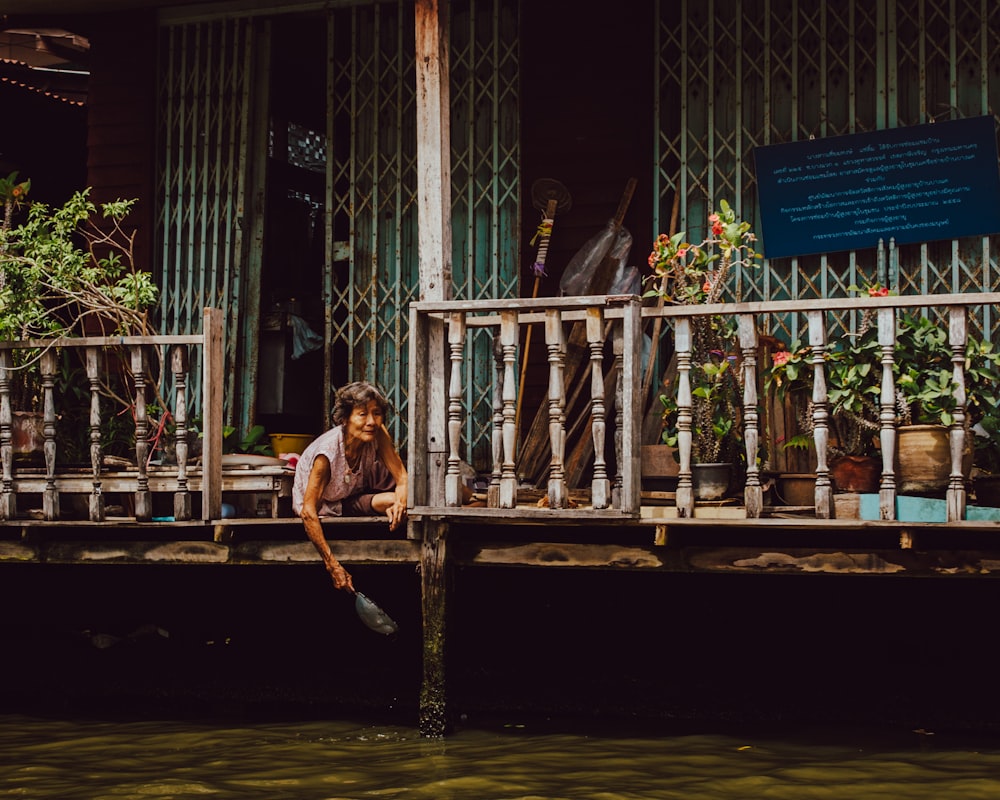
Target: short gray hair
{"type": "Point", "coordinates": [359, 393]}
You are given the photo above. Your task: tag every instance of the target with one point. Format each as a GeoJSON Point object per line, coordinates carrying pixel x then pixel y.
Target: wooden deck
{"type": "Point", "coordinates": [608, 523]}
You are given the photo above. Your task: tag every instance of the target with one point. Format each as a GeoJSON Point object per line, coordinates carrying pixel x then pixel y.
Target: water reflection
{"type": "Point", "coordinates": [94, 759]}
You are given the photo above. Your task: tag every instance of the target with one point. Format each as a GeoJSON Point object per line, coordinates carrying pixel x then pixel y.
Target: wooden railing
{"type": "Point", "coordinates": [438, 414]}
{"type": "Point", "coordinates": [172, 354]}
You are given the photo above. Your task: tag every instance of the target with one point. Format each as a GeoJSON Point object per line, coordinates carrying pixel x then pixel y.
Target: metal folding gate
{"type": "Point", "coordinates": [209, 231]}
{"type": "Point", "coordinates": [735, 74]}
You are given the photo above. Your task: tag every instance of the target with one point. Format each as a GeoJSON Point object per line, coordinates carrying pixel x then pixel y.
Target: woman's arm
{"type": "Point", "coordinates": [319, 477]}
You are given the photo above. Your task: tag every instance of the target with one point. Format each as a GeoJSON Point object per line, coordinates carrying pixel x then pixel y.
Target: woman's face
{"type": "Point", "coordinates": [364, 421]}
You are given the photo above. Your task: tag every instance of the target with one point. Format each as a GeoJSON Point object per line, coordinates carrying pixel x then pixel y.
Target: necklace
{"type": "Point", "coordinates": [352, 469]}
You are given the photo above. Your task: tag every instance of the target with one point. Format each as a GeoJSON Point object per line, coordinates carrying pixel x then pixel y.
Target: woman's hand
{"type": "Point", "coordinates": [396, 514]}
{"type": "Point", "coordinates": [341, 577]}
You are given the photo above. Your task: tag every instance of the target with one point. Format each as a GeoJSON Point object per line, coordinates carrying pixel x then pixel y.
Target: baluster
{"type": "Point", "coordinates": [600, 486]}
{"type": "Point", "coordinates": [821, 413]}
{"type": "Point", "coordinates": [453, 475]}
{"type": "Point", "coordinates": [96, 510]}
{"type": "Point", "coordinates": [618, 350]}
{"type": "Point", "coordinates": [555, 342]}
{"type": "Point", "coordinates": [508, 473]}
{"type": "Point", "coordinates": [753, 494]}
{"type": "Point", "coordinates": [957, 334]}
{"type": "Point", "coordinates": [50, 495]}
{"type": "Point", "coordinates": [493, 493]}
{"type": "Point", "coordinates": [682, 347]}
{"type": "Point", "coordinates": [179, 366]}
{"type": "Point", "coordinates": [887, 414]}
{"type": "Point", "coordinates": [8, 499]}
{"type": "Point", "coordinates": [143, 498]}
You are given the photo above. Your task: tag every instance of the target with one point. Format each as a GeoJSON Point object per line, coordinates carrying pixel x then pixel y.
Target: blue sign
{"type": "Point", "coordinates": [916, 184]}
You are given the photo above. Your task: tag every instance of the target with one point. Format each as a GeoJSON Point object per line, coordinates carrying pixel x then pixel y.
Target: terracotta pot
{"type": "Point", "coordinates": [924, 458]}
{"type": "Point", "coordinates": [797, 488]}
{"type": "Point", "coordinates": [856, 473]}
{"type": "Point", "coordinates": [711, 481]}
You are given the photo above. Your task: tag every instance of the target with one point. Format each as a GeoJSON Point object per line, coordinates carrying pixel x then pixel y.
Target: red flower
{"type": "Point", "coordinates": [706, 287]}
{"type": "Point", "coordinates": [876, 291]}
{"type": "Point", "coordinates": [717, 227]}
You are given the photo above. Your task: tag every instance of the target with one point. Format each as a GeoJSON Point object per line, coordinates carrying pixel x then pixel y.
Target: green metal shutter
{"type": "Point", "coordinates": [735, 74]}
{"type": "Point", "coordinates": [369, 146]}
{"type": "Point", "coordinates": [201, 185]}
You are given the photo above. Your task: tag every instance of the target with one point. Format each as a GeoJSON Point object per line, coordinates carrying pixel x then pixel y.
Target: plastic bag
{"type": "Point", "coordinates": [579, 274]}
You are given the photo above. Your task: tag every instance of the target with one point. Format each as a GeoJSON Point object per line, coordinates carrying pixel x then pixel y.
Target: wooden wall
{"type": "Point", "coordinates": [122, 119]}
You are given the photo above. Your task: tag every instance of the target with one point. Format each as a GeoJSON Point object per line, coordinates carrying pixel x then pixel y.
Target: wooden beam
{"type": "Point", "coordinates": [433, 149]}
{"type": "Point", "coordinates": [434, 212]}
{"type": "Point", "coordinates": [213, 366]}
{"type": "Point", "coordinates": [433, 580]}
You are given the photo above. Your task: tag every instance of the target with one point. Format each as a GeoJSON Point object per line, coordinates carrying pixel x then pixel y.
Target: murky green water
{"type": "Point", "coordinates": [98, 760]}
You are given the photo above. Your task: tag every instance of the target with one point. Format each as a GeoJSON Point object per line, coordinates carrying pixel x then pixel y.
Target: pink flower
{"type": "Point", "coordinates": [681, 253]}
{"type": "Point", "coordinates": [706, 287]}
{"type": "Point", "coordinates": [876, 291]}
{"type": "Point", "coordinates": [780, 357]}
{"type": "Point", "coordinates": [713, 218]}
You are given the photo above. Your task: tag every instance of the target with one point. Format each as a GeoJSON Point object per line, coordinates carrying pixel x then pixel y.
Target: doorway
{"type": "Point", "coordinates": [290, 388]}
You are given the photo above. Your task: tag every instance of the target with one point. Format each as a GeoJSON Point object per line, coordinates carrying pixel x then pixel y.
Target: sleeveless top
{"type": "Point", "coordinates": [343, 482]}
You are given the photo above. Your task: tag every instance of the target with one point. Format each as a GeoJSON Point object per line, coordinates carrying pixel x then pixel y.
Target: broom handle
{"type": "Point", "coordinates": [543, 251]}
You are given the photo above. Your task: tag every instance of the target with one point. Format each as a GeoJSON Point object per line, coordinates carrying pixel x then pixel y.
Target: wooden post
{"type": "Point", "coordinates": [629, 418]}
{"type": "Point", "coordinates": [453, 476]}
{"type": "Point", "coordinates": [433, 210]}
{"type": "Point", "coordinates": [684, 496]}
{"type": "Point", "coordinates": [212, 382]}
{"type": "Point", "coordinates": [143, 497]}
{"type": "Point", "coordinates": [821, 414]}
{"type": "Point", "coordinates": [508, 471]}
{"type": "Point", "coordinates": [957, 335]}
{"type": "Point", "coordinates": [600, 486]}
{"type": "Point", "coordinates": [887, 414]}
{"type": "Point", "coordinates": [8, 499]}
{"type": "Point", "coordinates": [418, 414]}
{"type": "Point", "coordinates": [433, 581]}
{"type": "Point", "coordinates": [179, 366]}
{"type": "Point", "coordinates": [493, 492]}
{"type": "Point", "coordinates": [50, 497]}
{"type": "Point", "coordinates": [555, 342]}
{"type": "Point", "coordinates": [96, 509]}
{"type": "Point", "coordinates": [753, 494]}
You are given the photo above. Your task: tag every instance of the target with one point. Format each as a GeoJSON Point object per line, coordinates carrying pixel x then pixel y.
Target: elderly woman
{"type": "Point", "coordinates": [353, 469]}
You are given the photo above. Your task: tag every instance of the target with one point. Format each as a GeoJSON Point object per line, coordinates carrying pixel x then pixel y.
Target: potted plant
{"type": "Point", "coordinates": [716, 441]}
{"type": "Point", "coordinates": [853, 382]}
{"type": "Point", "coordinates": [691, 274]}
{"type": "Point", "coordinates": [986, 458]}
{"type": "Point", "coordinates": [61, 270]}
{"type": "Point", "coordinates": [62, 267]}
{"type": "Point", "coordinates": [854, 391]}
{"type": "Point", "coordinates": [926, 403]}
